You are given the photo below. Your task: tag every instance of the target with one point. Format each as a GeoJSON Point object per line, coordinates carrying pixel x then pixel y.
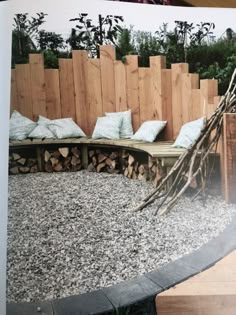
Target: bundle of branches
{"type": "Point", "coordinates": [194, 162]}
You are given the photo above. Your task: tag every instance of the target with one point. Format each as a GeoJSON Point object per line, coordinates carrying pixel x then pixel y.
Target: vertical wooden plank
{"type": "Point", "coordinates": [120, 86]}
{"type": "Point", "coordinates": [37, 85]}
{"type": "Point", "coordinates": [157, 63]}
{"type": "Point", "coordinates": [167, 103]}
{"type": "Point", "coordinates": [14, 103]}
{"type": "Point", "coordinates": [147, 111]}
{"type": "Point", "coordinates": [196, 105]}
{"type": "Point", "coordinates": [107, 57]}
{"type": "Point", "coordinates": [209, 89]}
{"type": "Point", "coordinates": [189, 81]}
{"type": "Point", "coordinates": [80, 71]}
{"type": "Point", "coordinates": [132, 89]}
{"type": "Point", "coordinates": [230, 157]}
{"type": "Point", "coordinates": [94, 93]}
{"type": "Point", "coordinates": [53, 98]}
{"type": "Point", "coordinates": [23, 87]}
{"type": "Point", "coordinates": [177, 70]}
{"type": "Point", "coordinates": [67, 88]}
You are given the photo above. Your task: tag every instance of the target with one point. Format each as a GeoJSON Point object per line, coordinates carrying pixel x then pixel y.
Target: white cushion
{"type": "Point", "coordinates": [149, 130]}
{"type": "Point", "coordinates": [107, 127]}
{"type": "Point", "coordinates": [42, 131]}
{"type": "Point", "coordinates": [189, 133]}
{"type": "Point", "coordinates": [126, 130]}
{"type": "Point", "coordinates": [65, 128]}
{"type": "Point", "coordinates": [20, 126]}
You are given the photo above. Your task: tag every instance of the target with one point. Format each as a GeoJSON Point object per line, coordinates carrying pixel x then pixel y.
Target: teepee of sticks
{"type": "Point", "coordinates": [194, 162]}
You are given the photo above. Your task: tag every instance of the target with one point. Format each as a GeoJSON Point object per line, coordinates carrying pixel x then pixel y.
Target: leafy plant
{"type": "Point", "coordinates": [87, 35]}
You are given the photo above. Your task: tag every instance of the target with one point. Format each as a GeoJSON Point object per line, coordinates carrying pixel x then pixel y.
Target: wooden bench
{"type": "Point", "coordinates": [155, 157]}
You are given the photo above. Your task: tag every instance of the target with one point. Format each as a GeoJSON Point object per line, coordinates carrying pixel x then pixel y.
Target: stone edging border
{"type": "Point", "coordinates": [136, 296]}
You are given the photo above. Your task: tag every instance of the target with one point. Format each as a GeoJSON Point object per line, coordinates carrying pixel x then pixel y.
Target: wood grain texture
{"type": "Point", "coordinates": [67, 88]}
{"type": "Point", "coordinates": [209, 89]}
{"type": "Point", "coordinates": [177, 69]}
{"type": "Point", "coordinates": [167, 114]}
{"type": "Point", "coordinates": [107, 57]}
{"type": "Point", "coordinates": [94, 93]}
{"type": "Point", "coordinates": [213, 292]}
{"type": "Point", "coordinates": [23, 84]}
{"type": "Point", "coordinates": [157, 63]}
{"type": "Point", "coordinates": [53, 98]}
{"type": "Point", "coordinates": [229, 157]}
{"type": "Point", "coordinates": [80, 71]}
{"type": "Point", "coordinates": [147, 111]}
{"type": "Point", "coordinates": [38, 92]}
{"type": "Point", "coordinates": [196, 111]}
{"type": "Point", "coordinates": [132, 89]}
{"type": "Point", "coordinates": [14, 101]}
{"type": "Point", "coordinates": [189, 81]}
{"type": "Point", "coordinates": [120, 86]}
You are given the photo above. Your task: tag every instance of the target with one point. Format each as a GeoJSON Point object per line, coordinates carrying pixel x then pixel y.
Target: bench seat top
{"type": "Point", "coordinates": [155, 149]}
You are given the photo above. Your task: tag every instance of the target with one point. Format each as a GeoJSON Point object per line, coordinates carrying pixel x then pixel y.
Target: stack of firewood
{"type": "Point", "coordinates": [19, 164]}
{"type": "Point", "coordinates": [62, 159]}
{"type": "Point", "coordinates": [156, 172]}
{"type": "Point", "coordinates": [100, 161]}
{"type": "Point", "coordinates": [131, 168]}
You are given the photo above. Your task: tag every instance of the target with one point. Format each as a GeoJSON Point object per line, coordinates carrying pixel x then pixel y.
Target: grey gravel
{"type": "Point", "coordinates": [70, 233]}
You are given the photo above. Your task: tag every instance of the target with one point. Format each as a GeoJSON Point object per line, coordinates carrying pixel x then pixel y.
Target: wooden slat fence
{"type": "Point", "coordinates": [84, 89]}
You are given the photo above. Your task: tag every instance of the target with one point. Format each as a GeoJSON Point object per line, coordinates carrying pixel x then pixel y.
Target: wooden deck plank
{"type": "Point", "coordinates": [53, 98]}
{"type": "Point", "coordinates": [67, 88]}
{"type": "Point", "coordinates": [132, 89]}
{"type": "Point", "coordinates": [120, 86]}
{"type": "Point", "coordinates": [210, 292]}
{"type": "Point", "coordinates": [37, 81]}
{"type": "Point", "coordinates": [80, 71]}
{"type": "Point", "coordinates": [107, 57]}
{"type": "Point", "coordinates": [23, 83]}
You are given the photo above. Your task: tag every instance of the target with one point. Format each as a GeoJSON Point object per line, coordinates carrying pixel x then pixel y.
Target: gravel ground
{"type": "Point", "coordinates": [71, 233]}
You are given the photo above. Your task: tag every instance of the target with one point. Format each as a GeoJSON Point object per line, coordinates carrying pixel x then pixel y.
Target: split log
{"type": "Point", "coordinates": [64, 151]}
{"type": "Point", "coordinates": [100, 166]}
{"type": "Point", "coordinates": [47, 156]}
{"type": "Point", "coordinates": [131, 159]}
{"type": "Point", "coordinates": [54, 161]}
{"type": "Point", "coordinates": [76, 152]}
{"type": "Point", "coordinates": [91, 168]}
{"type": "Point", "coordinates": [101, 157]}
{"type": "Point", "coordinates": [15, 156]}
{"type": "Point", "coordinates": [91, 153]}
{"type": "Point", "coordinates": [24, 170]}
{"type": "Point", "coordinates": [58, 167]}
{"type": "Point", "coordinates": [22, 161]}
{"type": "Point", "coordinates": [14, 170]}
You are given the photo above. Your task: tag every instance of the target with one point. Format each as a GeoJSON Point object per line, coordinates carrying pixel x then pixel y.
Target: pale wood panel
{"type": "Point", "coordinates": [196, 305]}
{"type": "Point", "coordinates": [53, 98]}
{"type": "Point", "coordinates": [157, 63]}
{"type": "Point", "coordinates": [132, 89]}
{"type": "Point", "coordinates": [167, 103]}
{"type": "Point", "coordinates": [107, 57]}
{"type": "Point", "coordinates": [94, 93]}
{"type": "Point", "coordinates": [37, 85]}
{"type": "Point", "coordinates": [120, 86]}
{"type": "Point", "coordinates": [80, 59]}
{"type": "Point", "coordinates": [230, 157]}
{"type": "Point", "coordinates": [177, 69]}
{"type": "Point", "coordinates": [210, 292]}
{"type": "Point", "coordinates": [14, 102]}
{"type": "Point", "coordinates": [23, 83]}
{"type": "Point", "coordinates": [67, 88]}
{"type": "Point", "coordinates": [189, 81]}
{"type": "Point", "coordinates": [209, 89]}
{"type": "Point", "coordinates": [147, 111]}
{"type": "Point", "coordinates": [196, 105]}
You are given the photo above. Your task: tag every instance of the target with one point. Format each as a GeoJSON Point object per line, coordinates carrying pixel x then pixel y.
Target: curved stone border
{"type": "Point", "coordinates": [136, 296]}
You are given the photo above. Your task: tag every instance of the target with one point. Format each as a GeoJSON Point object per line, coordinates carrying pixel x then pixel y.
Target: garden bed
{"type": "Point", "coordinates": [70, 233]}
